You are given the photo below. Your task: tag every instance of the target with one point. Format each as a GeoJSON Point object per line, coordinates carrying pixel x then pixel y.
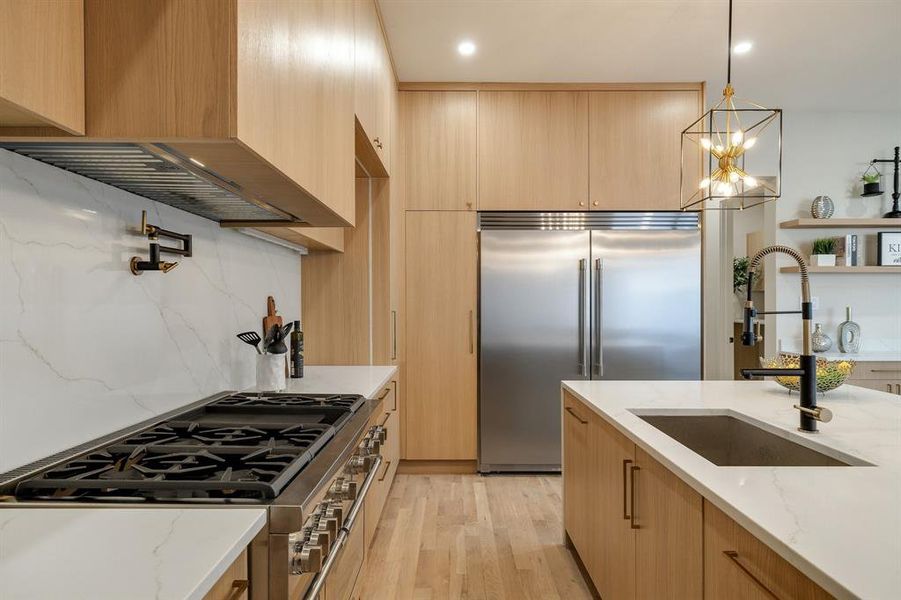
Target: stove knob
{"type": "Point", "coordinates": [358, 464]}
{"type": "Point", "coordinates": [308, 560]}
{"type": "Point", "coordinates": [379, 433]}
{"type": "Point", "coordinates": [322, 539]}
{"type": "Point", "coordinates": [374, 446]}
{"type": "Point", "coordinates": [335, 511]}
{"type": "Point", "coordinates": [334, 492]}
{"type": "Point", "coordinates": [348, 490]}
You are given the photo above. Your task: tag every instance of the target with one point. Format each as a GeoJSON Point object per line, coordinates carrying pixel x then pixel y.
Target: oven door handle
{"type": "Point", "coordinates": [319, 581]}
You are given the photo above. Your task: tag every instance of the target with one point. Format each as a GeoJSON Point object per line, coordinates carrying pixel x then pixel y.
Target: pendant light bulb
{"type": "Point", "coordinates": [750, 182]}
{"type": "Point", "coordinates": [705, 143]}
{"type": "Point", "coordinates": [749, 143]}
{"type": "Point", "coordinates": [737, 137]}
{"type": "Point", "coordinates": [705, 183]}
{"type": "Point", "coordinates": [734, 177]}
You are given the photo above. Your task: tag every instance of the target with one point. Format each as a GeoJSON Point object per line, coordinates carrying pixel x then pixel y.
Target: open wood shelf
{"type": "Point", "coordinates": [840, 223]}
{"type": "Point", "coordinates": [856, 270]}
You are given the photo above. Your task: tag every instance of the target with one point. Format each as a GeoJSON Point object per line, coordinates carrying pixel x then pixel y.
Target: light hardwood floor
{"type": "Point", "coordinates": [467, 536]}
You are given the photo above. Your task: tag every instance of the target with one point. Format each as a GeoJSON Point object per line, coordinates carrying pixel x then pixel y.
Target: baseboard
{"type": "Point", "coordinates": [436, 467]}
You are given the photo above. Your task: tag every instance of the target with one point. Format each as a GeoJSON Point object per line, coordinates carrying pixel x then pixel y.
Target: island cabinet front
{"type": "Point", "coordinates": [636, 527]}
{"type": "Point", "coordinates": [738, 566]}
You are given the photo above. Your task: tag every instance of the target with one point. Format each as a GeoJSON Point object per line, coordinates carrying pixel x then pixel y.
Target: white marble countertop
{"type": "Point", "coordinates": [115, 553]}
{"type": "Point", "coordinates": [364, 380]}
{"type": "Point", "coordinates": [841, 526]}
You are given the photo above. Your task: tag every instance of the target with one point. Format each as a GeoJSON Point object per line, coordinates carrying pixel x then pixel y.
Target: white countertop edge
{"type": "Point", "coordinates": [209, 580]}
{"type": "Point", "coordinates": [823, 579]}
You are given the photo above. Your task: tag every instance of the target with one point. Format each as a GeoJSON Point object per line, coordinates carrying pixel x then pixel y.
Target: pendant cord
{"type": "Point", "coordinates": [729, 61]}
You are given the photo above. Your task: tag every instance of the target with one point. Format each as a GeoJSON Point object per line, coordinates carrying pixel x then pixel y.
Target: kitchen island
{"type": "Point", "coordinates": [840, 526]}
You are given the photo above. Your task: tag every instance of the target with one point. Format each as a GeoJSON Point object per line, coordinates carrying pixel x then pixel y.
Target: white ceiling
{"type": "Point", "coordinates": [817, 54]}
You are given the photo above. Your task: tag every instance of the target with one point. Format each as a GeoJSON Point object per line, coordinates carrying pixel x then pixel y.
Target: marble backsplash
{"type": "Point", "coordinates": [85, 346]}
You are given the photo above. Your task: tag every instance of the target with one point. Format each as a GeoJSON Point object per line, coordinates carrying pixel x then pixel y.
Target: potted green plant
{"type": "Point", "coordinates": [740, 273]}
{"type": "Point", "coordinates": [871, 183]}
{"type": "Point", "coordinates": [823, 254]}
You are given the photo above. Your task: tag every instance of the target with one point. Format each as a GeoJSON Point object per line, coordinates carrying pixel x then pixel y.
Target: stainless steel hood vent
{"type": "Point", "coordinates": [153, 171]}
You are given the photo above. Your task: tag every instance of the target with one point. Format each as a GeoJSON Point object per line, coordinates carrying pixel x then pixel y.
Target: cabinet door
{"type": "Point", "coordinates": [440, 149]}
{"type": "Point", "coordinates": [372, 68]}
{"type": "Point", "coordinates": [635, 141]}
{"type": "Point", "coordinates": [440, 395]}
{"type": "Point", "coordinates": [385, 415]}
{"type": "Point", "coordinates": [612, 564]}
{"type": "Point", "coordinates": [578, 476]}
{"type": "Point", "coordinates": [42, 64]}
{"type": "Point", "coordinates": [533, 150]}
{"type": "Point", "coordinates": [738, 566]}
{"type": "Point", "coordinates": [669, 540]}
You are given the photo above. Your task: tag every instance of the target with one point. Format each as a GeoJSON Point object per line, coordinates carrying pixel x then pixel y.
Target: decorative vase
{"type": "Point", "coordinates": [820, 341]}
{"type": "Point", "coordinates": [849, 335]}
{"type": "Point", "coordinates": [822, 207]}
{"type": "Point", "coordinates": [822, 260]}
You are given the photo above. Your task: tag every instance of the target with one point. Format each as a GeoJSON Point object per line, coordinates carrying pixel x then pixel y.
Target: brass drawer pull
{"type": "Point", "coordinates": [578, 418]}
{"type": "Point", "coordinates": [733, 556]}
{"type": "Point", "coordinates": [385, 472]}
{"type": "Point", "coordinates": [385, 420]}
{"type": "Point", "coordinates": [471, 334]}
{"type": "Point", "coordinates": [395, 396]}
{"type": "Point", "coordinates": [385, 393]}
{"type": "Point", "coordinates": [896, 370]}
{"type": "Point", "coordinates": [626, 463]}
{"type": "Point", "coordinates": [239, 586]}
{"type": "Point", "coordinates": [632, 470]}
{"type": "Point", "coordinates": [393, 335]}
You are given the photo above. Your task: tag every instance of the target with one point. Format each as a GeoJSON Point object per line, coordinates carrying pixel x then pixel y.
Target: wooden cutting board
{"type": "Point", "coordinates": [271, 318]}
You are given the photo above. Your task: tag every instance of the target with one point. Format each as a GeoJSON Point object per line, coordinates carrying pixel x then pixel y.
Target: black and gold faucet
{"type": "Point", "coordinates": [154, 263]}
{"type": "Point", "coordinates": [807, 371]}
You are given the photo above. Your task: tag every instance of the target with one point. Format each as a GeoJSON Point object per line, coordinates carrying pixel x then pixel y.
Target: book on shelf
{"type": "Point", "coordinates": [847, 253]}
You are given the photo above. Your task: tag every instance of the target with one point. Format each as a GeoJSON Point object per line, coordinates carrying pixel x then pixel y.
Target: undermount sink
{"type": "Point", "coordinates": [729, 441]}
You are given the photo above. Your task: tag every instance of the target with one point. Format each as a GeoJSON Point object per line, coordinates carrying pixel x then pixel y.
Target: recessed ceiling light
{"type": "Point", "coordinates": [466, 48]}
{"type": "Point", "coordinates": [742, 47]}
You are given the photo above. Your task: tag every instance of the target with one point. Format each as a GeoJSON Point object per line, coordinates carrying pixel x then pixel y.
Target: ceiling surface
{"type": "Point", "coordinates": [813, 54]}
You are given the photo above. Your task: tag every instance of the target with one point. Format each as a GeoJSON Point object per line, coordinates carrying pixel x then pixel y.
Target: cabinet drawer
{"type": "Point", "coordinates": [738, 566]}
{"type": "Point", "coordinates": [876, 370]}
{"type": "Point", "coordinates": [892, 386]}
{"type": "Point", "coordinates": [234, 582]}
{"type": "Point", "coordinates": [378, 494]}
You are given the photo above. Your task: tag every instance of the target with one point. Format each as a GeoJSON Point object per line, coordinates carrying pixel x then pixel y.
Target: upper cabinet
{"type": "Point", "coordinates": [42, 64]}
{"type": "Point", "coordinates": [253, 95]}
{"type": "Point", "coordinates": [533, 150]}
{"type": "Point", "coordinates": [439, 141]}
{"type": "Point", "coordinates": [374, 85]}
{"type": "Point", "coordinates": [635, 140]}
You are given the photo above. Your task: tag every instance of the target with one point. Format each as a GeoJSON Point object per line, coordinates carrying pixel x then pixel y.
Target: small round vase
{"type": "Point", "coordinates": [822, 207]}
{"type": "Point", "coordinates": [820, 341]}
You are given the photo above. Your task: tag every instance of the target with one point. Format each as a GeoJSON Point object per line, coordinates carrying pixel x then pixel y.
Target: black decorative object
{"type": "Point", "coordinates": [889, 248]}
{"type": "Point", "coordinates": [875, 189]}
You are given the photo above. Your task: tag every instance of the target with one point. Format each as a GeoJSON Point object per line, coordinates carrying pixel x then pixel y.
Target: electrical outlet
{"type": "Point", "coordinates": [815, 301]}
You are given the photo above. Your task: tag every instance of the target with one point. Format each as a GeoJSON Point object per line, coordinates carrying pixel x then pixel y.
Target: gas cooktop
{"type": "Point", "coordinates": [241, 448]}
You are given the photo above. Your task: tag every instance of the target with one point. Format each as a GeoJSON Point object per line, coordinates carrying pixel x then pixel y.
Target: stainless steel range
{"type": "Point", "coordinates": [310, 459]}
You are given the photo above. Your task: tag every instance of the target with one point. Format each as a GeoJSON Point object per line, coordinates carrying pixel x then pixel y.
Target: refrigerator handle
{"type": "Point", "coordinates": [583, 348]}
{"type": "Point", "coordinates": [598, 365]}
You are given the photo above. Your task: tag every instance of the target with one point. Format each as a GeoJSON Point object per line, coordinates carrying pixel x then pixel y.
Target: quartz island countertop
{"type": "Point", "coordinates": [841, 526]}
{"type": "Point", "coordinates": [116, 553]}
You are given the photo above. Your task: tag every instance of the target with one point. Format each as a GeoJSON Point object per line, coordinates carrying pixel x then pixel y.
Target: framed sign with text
{"type": "Point", "coordinates": [889, 249]}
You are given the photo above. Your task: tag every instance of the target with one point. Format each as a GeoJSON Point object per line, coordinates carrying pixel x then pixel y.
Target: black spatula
{"type": "Point", "coordinates": [252, 338]}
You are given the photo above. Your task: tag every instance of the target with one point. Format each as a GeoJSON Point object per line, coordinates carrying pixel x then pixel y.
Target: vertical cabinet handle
{"type": "Point", "coordinates": [598, 366]}
{"type": "Point", "coordinates": [239, 586]}
{"type": "Point", "coordinates": [471, 334]}
{"type": "Point", "coordinates": [385, 472]}
{"type": "Point", "coordinates": [393, 335]}
{"type": "Point", "coordinates": [733, 556]}
{"type": "Point", "coordinates": [626, 463]}
{"type": "Point", "coordinates": [583, 360]}
{"type": "Point", "coordinates": [632, 470]}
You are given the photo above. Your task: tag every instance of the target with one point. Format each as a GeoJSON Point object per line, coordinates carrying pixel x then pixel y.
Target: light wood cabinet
{"type": "Point", "coordinates": [439, 137]}
{"type": "Point", "coordinates": [635, 148]}
{"type": "Point", "coordinates": [387, 416]}
{"type": "Point", "coordinates": [258, 91]}
{"type": "Point", "coordinates": [440, 395]}
{"type": "Point", "coordinates": [373, 84]}
{"type": "Point", "coordinates": [738, 566]}
{"type": "Point", "coordinates": [234, 583]}
{"type": "Point", "coordinates": [42, 64]}
{"type": "Point", "coordinates": [579, 461]}
{"type": "Point", "coordinates": [612, 565]}
{"type": "Point", "coordinates": [669, 536]}
{"type": "Point", "coordinates": [533, 150]}
{"type": "Point", "coordinates": [884, 376]}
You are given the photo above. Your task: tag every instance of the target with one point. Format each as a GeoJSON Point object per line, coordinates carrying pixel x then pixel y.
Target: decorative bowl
{"type": "Point", "coordinates": [831, 373]}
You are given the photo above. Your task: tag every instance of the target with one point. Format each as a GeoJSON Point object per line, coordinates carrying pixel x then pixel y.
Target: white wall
{"type": "Point", "coordinates": [824, 153]}
{"type": "Point", "coordinates": [86, 347]}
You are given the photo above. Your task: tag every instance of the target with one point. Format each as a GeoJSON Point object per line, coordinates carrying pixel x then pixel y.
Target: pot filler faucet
{"type": "Point", "coordinates": [810, 412]}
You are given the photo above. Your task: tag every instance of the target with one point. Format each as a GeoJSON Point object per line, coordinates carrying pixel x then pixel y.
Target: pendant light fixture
{"type": "Point", "coordinates": [739, 146]}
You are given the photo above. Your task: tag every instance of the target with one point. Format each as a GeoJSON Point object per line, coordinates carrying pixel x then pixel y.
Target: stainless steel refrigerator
{"type": "Point", "coordinates": [566, 296]}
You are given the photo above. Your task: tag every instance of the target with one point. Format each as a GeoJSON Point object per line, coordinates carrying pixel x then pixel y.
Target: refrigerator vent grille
{"type": "Point", "coordinates": [155, 172]}
{"type": "Point", "coordinates": [588, 220]}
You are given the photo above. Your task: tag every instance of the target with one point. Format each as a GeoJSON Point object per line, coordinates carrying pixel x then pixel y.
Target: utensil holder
{"type": "Point", "coordinates": [271, 372]}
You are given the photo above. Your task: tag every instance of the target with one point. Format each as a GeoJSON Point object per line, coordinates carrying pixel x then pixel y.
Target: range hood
{"type": "Point", "coordinates": [157, 172]}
